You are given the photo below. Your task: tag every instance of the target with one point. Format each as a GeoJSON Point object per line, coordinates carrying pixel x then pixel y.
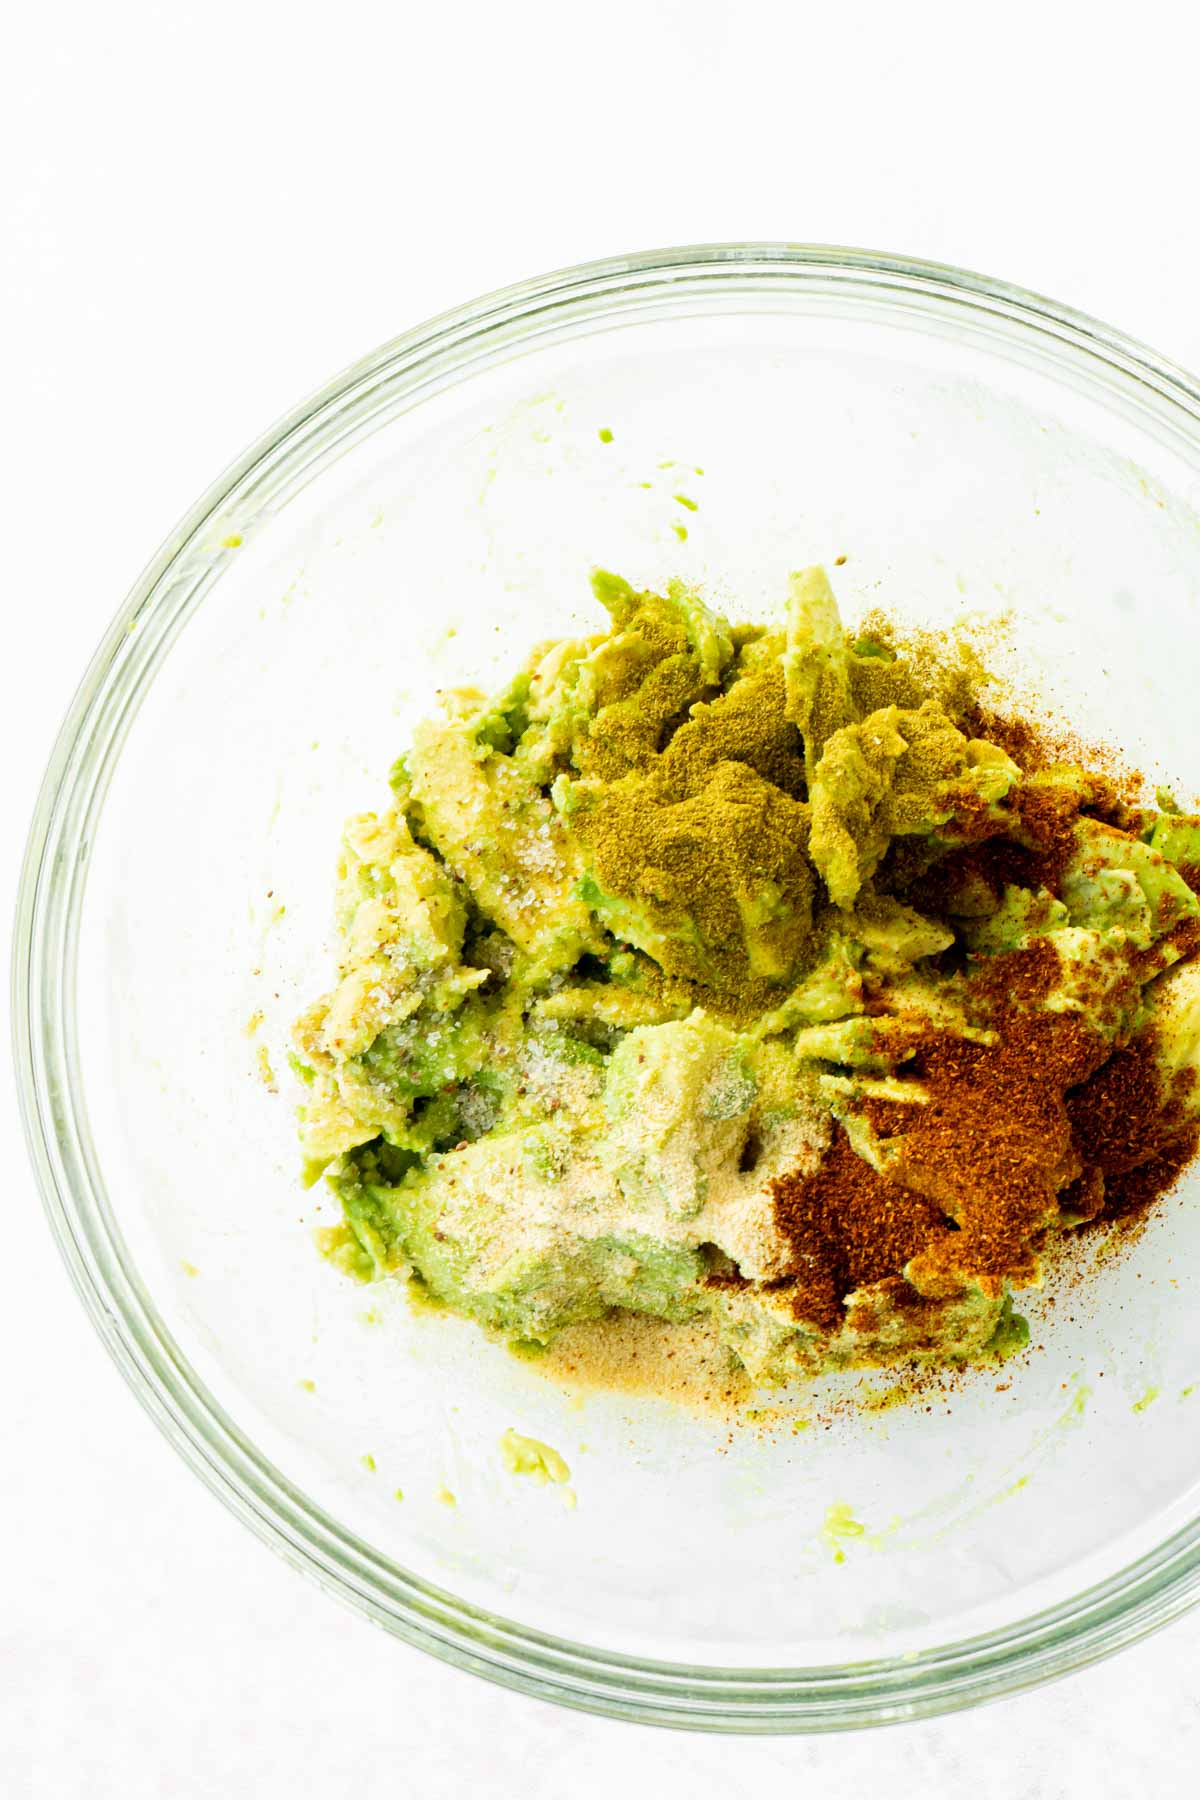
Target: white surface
{"type": "Point", "coordinates": [203, 212]}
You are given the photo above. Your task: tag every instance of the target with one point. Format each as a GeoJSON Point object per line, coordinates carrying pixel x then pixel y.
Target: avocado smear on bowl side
{"type": "Point", "coordinates": [742, 975]}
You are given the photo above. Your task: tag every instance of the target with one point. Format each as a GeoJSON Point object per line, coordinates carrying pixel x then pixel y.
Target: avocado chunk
{"type": "Point", "coordinates": [503, 839]}
{"type": "Point", "coordinates": [900, 773]}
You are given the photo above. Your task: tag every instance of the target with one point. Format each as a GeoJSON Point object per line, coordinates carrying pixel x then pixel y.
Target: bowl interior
{"type": "Point", "coordinates": [957, 468]}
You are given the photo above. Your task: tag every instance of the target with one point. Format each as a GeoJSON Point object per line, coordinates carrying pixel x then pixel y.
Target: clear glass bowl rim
{"type": "Point", "coordinates": [700, 278]}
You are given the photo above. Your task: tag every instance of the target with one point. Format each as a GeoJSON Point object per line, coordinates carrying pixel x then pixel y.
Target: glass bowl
{"type": "Point", "coordinates": [966, 448]}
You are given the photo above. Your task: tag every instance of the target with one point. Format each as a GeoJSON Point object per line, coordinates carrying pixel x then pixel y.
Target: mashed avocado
{"type": "Point", "coordinates": [671, 974]}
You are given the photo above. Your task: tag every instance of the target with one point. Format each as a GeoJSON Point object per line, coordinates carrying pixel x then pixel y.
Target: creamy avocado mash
{"type": "Point", "coordinates": [750, 976]}
{"type": "Point", "coordinates": [523, 1455]}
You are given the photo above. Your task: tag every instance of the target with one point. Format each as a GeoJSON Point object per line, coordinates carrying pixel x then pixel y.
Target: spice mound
{"type": "Point", "coordinates": [754, 980]}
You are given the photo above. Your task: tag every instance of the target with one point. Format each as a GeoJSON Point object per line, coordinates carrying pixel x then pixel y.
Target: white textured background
{"type": "Point", "coordinates": [205, 210]}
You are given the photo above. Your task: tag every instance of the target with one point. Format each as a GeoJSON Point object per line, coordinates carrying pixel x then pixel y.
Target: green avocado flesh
{"type": "Point", "coordinates": [638, 939]}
